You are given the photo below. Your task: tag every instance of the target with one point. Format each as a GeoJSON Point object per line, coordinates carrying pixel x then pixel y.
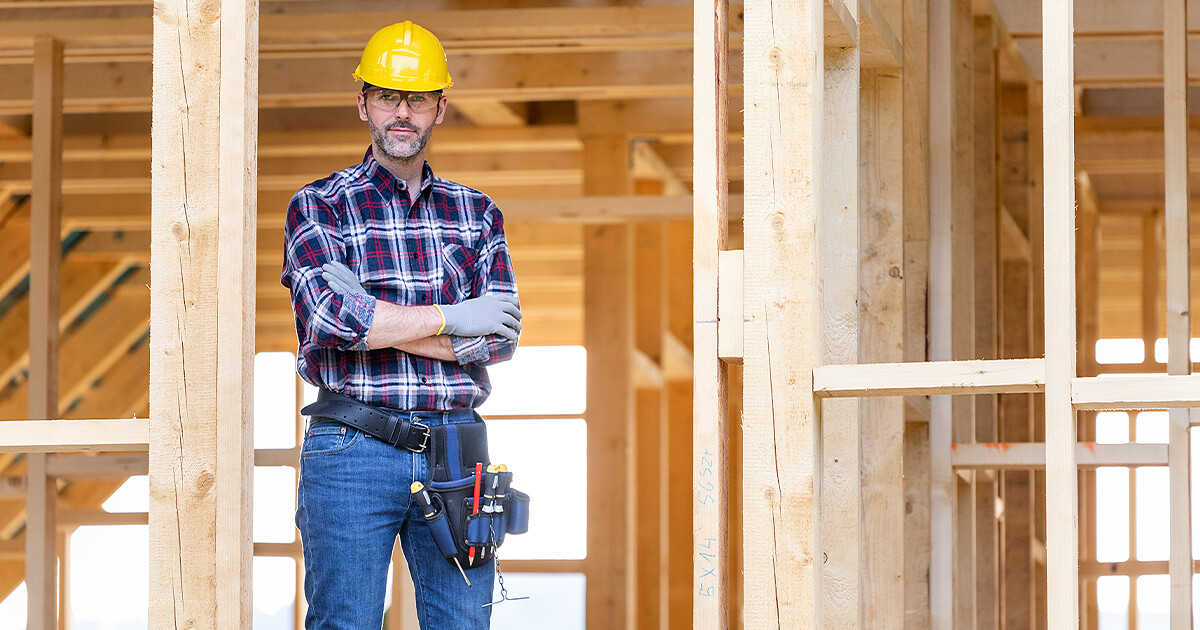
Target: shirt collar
{"type": "Point", "coordinates": [385, 180]}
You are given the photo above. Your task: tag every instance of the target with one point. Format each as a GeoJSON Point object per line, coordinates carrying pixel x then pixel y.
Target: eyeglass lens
{"type": "Point", "coordinates": [391, 99]}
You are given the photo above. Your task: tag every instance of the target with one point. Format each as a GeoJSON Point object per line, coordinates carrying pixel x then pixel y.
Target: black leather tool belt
{"type": "Point", "coordinates": [399, 430]}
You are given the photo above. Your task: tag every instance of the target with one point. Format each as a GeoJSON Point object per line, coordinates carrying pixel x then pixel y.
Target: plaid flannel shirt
{"type": "Point", "coordinates": [443, 248]}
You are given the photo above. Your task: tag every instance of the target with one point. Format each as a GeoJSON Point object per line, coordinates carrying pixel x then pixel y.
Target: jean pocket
{"type": "Point", "coordinates": [328, 438]}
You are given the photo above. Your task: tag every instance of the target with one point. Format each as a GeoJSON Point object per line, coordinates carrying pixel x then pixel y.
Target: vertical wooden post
{"type": "Point", "coordinates": [838, 225]}
{"type": "Point", "coordinates": [609, 337]}
{"type": "Point", "coordinates": [1037, 328]}
{"type": "Point", "coordinates": [1016, 341]}
{"type": "Point", "coordinates": [882, 340]}
{"type": "Point", "coordinates": [651, 437]}
{"type": "Point", "coordinates": [65, 621]}
{"type": "Point", "coordinates": [1179, 321]}
{"type": "Point", "coordinates": [962, 302]}
{"type": "Point", "coordinates": [679, 447]}
{"type": "Point", "coordinates": [951, 306]}
{"type": "Point", "coordinates": [784, 87]}
{"type": "Point", "coordinates": [710, 441]}
{"type": "Point", "coordinates": [917, 482]}
{"type": "Point", "coordinates": [202, 312]}
{"type": "Point", "coordinates": [987, 258]}
{"type": "Point", "coordinates": [45, 255]}
{"type": "Point", "coordinates": [1062, 518]}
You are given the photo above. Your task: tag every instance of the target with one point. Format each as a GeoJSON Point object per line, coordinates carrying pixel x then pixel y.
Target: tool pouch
{"type": "Point", "coordinates": [456, 525]}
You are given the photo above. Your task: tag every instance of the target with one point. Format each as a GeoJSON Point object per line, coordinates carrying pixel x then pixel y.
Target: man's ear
{"type": "Point", "coordinates": [362, 107]}
{"type": "Point", "coordinates": [442, 104]}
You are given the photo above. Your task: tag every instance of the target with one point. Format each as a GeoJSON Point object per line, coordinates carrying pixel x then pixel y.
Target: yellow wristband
{"type": "Point", "coordinates": [443, 319]}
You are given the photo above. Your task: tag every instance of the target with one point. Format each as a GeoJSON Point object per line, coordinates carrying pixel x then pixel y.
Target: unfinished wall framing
{"type": "Point", "coordinates": [843, 331]}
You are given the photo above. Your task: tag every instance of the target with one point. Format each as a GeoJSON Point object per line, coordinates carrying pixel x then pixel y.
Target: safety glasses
{"type": "Point", "coordinates": [418, 102]}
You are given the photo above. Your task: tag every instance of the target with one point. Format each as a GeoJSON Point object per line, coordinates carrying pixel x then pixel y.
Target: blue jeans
{"type": "Point", "coordinates": [352, 500]}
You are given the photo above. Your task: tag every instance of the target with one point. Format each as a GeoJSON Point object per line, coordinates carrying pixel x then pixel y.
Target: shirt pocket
{"type": "Point", "coordinates": [458, 273]}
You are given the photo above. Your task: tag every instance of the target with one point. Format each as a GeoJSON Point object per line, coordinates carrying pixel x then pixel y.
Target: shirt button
{"type": "Point", "coordinates": [424, 298]}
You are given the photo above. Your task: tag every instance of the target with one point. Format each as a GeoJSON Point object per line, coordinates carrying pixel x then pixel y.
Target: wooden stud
{"type": "Point", "coordinates": [986, 83]}
{"type": "Point", "coordinates": [837, 294]}
{"type": "Point", "coordinates": [949, 180]}
{"type": "Point", "coordinates": [1037, 329]}
{"type": "Point", "coordinates": [1179, 321]}
{"type": "Point", "coordinates": [679, 411]}
{"type": "Point", "coordinates": [1016, 410]}
{"type": "Point", "coordinates": [917, 533]}
{"type": "Point", "coordinates": [65, 620]}
{"type": "Point", "coordinates": [202, 305]}
{"type": "Point", "coordinates": [1088, 282]}
{"type": "Point", "coordinates": [784, 194]}
{"type": "Point", "coordinates": [45, 259]}
{"type": "Point", "coordinates": [651, 434]}
{"type": "Point", "coordinates": [710, 473]}
{"type": "Point", "coordinates": [882, 325]}
{"type": "Point", "coordinates": [609, 338]}
{"type": "Point", "coordinates": [1062, 518]}
{"type": "Point", "coordinates": [1151, 280]}
{"type": "Point", "coordinates": [962, 297]}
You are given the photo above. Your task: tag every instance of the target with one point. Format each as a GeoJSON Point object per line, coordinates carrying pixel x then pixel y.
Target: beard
{"type": "Point", "coordinates": [404, 151]}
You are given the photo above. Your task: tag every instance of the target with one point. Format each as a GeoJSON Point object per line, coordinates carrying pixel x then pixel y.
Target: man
{"type": "Point", "coordinates": [403, 292]}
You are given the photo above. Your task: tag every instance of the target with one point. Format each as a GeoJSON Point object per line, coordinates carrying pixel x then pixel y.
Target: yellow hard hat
{"type": "Point", "coordinates": [404, 56]}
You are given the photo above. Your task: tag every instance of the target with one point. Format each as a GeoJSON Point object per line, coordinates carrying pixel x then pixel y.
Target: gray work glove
{"type": "Point", "coordinates": [492, 314]}
{"type": "Point", "coordinates": [340, 279]}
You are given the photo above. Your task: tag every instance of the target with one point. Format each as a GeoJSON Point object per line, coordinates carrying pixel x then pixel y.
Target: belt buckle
{"type": "Point", "coordinates": [425, 442]}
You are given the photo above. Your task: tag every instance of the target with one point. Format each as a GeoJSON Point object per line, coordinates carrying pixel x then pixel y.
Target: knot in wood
{"type": "Point", "coordinates": [895, 272]}
{"type": "Point", "coordinates": [204, 482]}
{"type": "Point", "coordinates": [210, 11]}
{"type": "Point", "coordinates": [771, 495]}
{"type": "Point", "coordinates": [179, 230]}
{"type": "Point", "coordinates": [777, 220]}
{"type": "Point", "coordinates": [775, 57]}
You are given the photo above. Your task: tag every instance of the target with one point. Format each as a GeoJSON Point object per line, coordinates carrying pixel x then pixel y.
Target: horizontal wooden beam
{"type": "Point", "coordinates": [930, 378]}
{"type": "Point", "coordinates": [1131, 568]}
{"type": "Point", "coordinates": [129, 212]}
{"type": "Point", "coordinates": [1136, 392]}
{"type": "Point", "coordinates": [279, 550]}
{"type": "Point", "coordinates": [544, 566]}
{"type": "Point", "coordinates": [326, 82]}
{"type": "Point", "coordinates": [67, 436]}
{"type": "Point", "coordinates": [1114, 60]}
{"type": "Point", "coordinates": [68, 518]}
{"type": "Point", "coordinates": [460, 31]}
{"type": "Point", "coordinates": [1030, 456]}
{"type": "Point", "coordinates": [102, 466]}
{"type": "Point", "coordinates": [312, 143]}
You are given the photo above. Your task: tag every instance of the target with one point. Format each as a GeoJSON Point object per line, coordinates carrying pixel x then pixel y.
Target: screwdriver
{"type": "Point", "coordinates": [422, 496]}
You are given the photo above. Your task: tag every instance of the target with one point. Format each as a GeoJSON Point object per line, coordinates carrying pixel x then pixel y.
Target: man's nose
{"type": "Point", "coordinates": [403, 112]}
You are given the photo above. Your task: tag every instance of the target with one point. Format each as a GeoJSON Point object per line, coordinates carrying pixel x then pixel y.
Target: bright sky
{"type": "Point", "coordinates": [109, 569]}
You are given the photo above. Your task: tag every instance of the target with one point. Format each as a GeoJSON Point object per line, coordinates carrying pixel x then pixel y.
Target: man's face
{"type": "Point", "coordinates": [396, 129]}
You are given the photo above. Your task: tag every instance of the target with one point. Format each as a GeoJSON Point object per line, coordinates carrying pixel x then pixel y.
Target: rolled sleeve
{"type": "Point", "coordinates": [483, 351]}
{"type": "Point", "coordinates": [326, 318]}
